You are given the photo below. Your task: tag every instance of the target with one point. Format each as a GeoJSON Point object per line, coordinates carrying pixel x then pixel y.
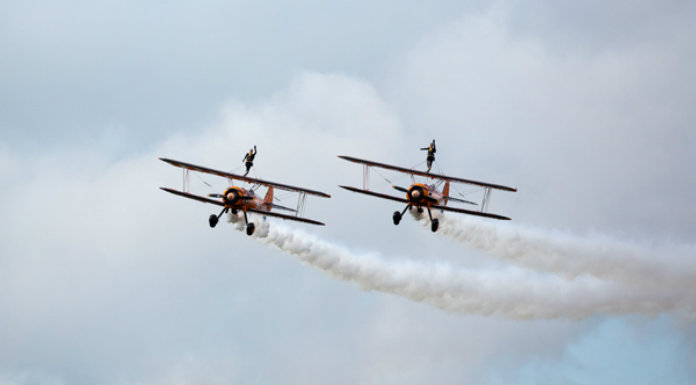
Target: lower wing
{"type": "Point", "coordinates": [286, 217]}
{"type": "Point", "coordinates": [470, 212]}
{"type": "Point", "coordinates": [262, 212]}
{"type": "Point", "coordinates": [375, 194]}
{"type": "Point", "coordinates": [438, 207]}
{"type": "Point", "coordinates": [192, 196]}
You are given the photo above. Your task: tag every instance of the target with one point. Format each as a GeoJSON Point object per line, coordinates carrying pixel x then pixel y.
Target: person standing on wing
{"type": "Point", "coordinates": [249, 159]}
{"type": "Point", "coordinates": [431, 154]}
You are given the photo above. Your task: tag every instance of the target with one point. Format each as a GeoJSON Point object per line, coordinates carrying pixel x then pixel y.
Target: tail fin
{"type": "Point", "coordinates": [268, 200]}
{"type": "Point", "coordinates": [445, 192]}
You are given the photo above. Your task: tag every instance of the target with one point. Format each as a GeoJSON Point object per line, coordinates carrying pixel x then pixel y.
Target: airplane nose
{"type": "Point", "coordinates": [415, 193]}
{"type": "Point", "coordinates": [231, 197]}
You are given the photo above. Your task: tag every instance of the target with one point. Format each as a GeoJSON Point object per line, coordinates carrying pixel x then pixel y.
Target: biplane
{"type": "Point", "coordinates": [422, 195]}
{"type": "Point", "coordinates": [236, 198]}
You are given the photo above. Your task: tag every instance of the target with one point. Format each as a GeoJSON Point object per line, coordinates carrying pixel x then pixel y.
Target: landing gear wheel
{"type": "Point", "coordinates": [250, 228]}
{"type": "Point", "coordinates": [434, 225]}
{"type": "Point", "coordinates": [420, 210]}
{"type": "Point", "coordinates": [396, 217]}
{"type": "Point", "coordinates": [213, 220]}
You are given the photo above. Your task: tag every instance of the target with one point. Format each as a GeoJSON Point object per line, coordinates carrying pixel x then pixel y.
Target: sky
{"type": "Point", "coordinates": [585, 107]}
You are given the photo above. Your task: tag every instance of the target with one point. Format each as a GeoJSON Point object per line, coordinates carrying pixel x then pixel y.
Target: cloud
{"type": "Point", "coordinates": [591, 139]}
{"type": "Point", "coordinates": [98, 262]}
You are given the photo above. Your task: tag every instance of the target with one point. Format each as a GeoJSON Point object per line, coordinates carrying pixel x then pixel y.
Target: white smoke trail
{"type": "Point", "coordinates": [511, 292]}
{"type": "Point", "coordinates": [648, 266]}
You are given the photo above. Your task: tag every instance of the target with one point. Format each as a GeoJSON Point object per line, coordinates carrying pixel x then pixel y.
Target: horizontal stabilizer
{"type": "Point", "coordinates": [462, 201]}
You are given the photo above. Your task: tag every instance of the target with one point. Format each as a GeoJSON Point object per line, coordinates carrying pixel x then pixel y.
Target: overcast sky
{"type": "Point", "coordinates": [585, 107]}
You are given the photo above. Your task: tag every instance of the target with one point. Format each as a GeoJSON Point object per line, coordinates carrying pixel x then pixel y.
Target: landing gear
{"type": "Point", "coordinates": [434, 223]}
{"type": "Point", "coordinates": [214, 219]}
{"type": "Point", "coordinates": [249, 225]}
{"type": "Point", "coordinates": [398, 215]}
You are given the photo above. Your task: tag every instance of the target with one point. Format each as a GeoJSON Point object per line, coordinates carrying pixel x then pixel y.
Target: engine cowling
{"type": "Point", "coordinates": [417, 194]}
{"type": "Point", "coordinates": [232, 196]}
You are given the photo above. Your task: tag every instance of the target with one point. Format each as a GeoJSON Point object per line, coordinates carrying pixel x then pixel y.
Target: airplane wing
{"type": "Point", "coordinates": [437, 207]}
{"type": "Point", "coordinates": [287, 217]}
{"type": "Point", "coordinates": [470, 212]}
{"type": "Point", "coordinates": [375, 194]}
{"type": "Point", "coordinates": [193, 196]}
{"type": "Point", "coordinates": [224, 174]}
{"type": "Point", "coordinates": [426, 174]}
{"type": "Point", "coordinates": [262, 212]}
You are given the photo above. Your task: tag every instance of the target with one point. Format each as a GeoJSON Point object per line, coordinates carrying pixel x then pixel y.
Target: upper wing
{"type": "Point", "coordinates": [427, 174]}
{"type": "Point", "coordinates": [192, 196]}
{"type": "Point", "coordinates": [375, 194]}
{"type": "Point", "coordinates": [470, 212]}
{"type": "Point", "coordinates": [224, 174]}
{"type": "Point", "coordinates": [284, 216]}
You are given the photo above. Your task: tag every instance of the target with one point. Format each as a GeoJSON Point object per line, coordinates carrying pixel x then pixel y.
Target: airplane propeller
{"type": "Point", "coordinates": [236, 197]}
{"type": "Point", "coordinates": [415, 193]}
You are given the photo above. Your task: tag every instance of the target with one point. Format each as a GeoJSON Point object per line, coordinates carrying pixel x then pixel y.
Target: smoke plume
{"type": "Point", "coordinates": [512, 292]}
{"type": "Point", "coordinates": [637, 264]}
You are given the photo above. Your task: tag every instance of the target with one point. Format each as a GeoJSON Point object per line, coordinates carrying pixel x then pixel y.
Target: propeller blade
{"type": "Point", "coordinates": [400, 189]}
{"type": "Point", "coordinates": [246, 198]}
{"type": "Point", "coordinates": [215, 195]}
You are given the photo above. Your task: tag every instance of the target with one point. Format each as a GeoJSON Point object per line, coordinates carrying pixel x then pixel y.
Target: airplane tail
{"type": "Point", "coordinates": [268, 200]}
{"type": "Point", "coordinates": [445, 192]}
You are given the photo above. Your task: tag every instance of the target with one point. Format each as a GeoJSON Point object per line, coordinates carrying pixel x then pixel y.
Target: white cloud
{"type": "Point", "coordinates": [103, 276]}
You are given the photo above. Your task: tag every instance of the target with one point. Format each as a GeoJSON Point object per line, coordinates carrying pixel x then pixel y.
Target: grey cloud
{"type": "Point", "coordinates": [104, 278]}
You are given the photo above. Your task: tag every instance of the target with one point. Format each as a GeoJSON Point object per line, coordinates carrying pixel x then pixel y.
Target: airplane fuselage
{"type": "Point", "coordinates": [420, 194]}
{"type": "Point", "coordinates": [238, 198]}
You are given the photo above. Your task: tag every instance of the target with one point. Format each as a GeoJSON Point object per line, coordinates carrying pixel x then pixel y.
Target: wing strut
{"type": "Point", "coordinates": [366, 177]}
{"type": "Point", "coordinates": [301, 204]}
{"type": "Point", "coordinates": [187, 181]}
{"type": "Point", "coordinates": [486, 199]}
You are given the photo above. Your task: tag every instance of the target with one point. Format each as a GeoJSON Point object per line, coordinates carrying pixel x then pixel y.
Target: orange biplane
{"type": "Point", "coordinates": [421, 195]}
{"type": "Point", "coordinates": [237, 199]}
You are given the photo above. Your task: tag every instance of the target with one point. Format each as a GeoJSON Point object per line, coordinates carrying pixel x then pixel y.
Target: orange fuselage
{"type": "Point", "coordinates": [420, 194]}
{"type": "Point", "coordinates": [240, 199]}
